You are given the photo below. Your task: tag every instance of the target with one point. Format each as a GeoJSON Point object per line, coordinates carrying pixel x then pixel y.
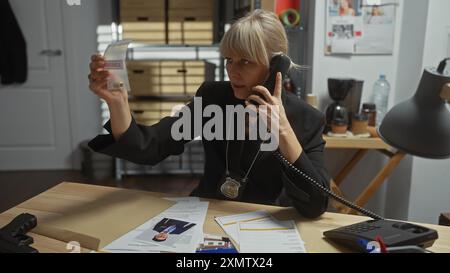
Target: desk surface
{"type": "Point", "coordinates": [355, 143]}
{"type": "Point", "coordinates": [67, 195]}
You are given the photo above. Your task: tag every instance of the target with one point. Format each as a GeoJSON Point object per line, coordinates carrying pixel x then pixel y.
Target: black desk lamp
{"type": "Point", "coordinates": [420, 126]}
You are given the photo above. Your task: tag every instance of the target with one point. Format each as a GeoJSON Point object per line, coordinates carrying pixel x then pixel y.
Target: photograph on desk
{"type": "Point", "coordinates": [238, 127]}
{"type": "Point", "coordinates": [178, 229]}
{"type": "Point", "coordinates": [167, 232]}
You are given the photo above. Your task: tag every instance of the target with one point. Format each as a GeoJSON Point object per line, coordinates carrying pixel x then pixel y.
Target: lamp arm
{"type": "Point", "coordinates": [442, 65]}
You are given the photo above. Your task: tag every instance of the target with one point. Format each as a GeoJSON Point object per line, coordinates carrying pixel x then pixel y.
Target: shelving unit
{"type": "Point", "coordinates": [191, 161]}
{"type": "Point", "coordinates": [165, 49]}
{"type": "Point", "coordinates": [164, 32]}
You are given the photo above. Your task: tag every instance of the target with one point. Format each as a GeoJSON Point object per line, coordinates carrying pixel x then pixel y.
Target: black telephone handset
{"type": "Point", "coordinates": [279, 63]}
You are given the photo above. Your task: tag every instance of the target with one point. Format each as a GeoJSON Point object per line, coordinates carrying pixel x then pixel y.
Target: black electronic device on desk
{"type": "Point", "coordinates": [393, 234]}
{"type": "Point", "coordinates": [359, 236]}
{"type": "Point", "coordinates": [13, 238]}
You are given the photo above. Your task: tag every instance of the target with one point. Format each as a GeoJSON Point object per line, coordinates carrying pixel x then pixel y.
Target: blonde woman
{"type": "Point", "coordinates": [247, 47]}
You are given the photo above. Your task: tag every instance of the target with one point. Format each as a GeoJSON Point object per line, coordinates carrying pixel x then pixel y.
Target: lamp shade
{"type": "Point", "coordinates": [420, 126]}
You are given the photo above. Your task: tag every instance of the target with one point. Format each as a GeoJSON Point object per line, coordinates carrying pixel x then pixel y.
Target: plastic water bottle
{"type": "Point", "coordinates": [381, 90]}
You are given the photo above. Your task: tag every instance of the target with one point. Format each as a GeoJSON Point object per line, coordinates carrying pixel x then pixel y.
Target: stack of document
{"type": "Point", "coordinates": [178, 229]}
{"type": "Point", "coordinates": [258, 232]}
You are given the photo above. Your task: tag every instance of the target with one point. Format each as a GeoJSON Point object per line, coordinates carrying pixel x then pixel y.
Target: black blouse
{"type": "Point", "coordinates": [270, 182]}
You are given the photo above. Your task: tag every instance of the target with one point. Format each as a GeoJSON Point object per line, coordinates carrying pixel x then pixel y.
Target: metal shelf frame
{"type": "Point", "coordinates": [177, 165]}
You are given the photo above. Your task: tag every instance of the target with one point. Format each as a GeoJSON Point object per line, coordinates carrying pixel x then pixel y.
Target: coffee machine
{"type": "Point", "coordinates": [346, 94]}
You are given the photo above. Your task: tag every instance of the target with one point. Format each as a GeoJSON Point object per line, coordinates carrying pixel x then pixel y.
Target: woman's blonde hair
{"type": "Point", "coordinates": [257, 37]}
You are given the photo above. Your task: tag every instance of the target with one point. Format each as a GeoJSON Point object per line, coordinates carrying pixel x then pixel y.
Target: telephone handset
{"type": "Point", "coordinates": [279, 63]}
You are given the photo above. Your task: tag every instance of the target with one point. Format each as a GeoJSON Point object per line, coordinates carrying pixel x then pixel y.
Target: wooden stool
{"type": "Point", "coordinates": [363, 146]}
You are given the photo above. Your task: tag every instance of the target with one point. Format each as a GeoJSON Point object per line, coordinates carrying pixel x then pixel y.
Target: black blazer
{"type": "Point", "coordinates": [180, 226]}
{"type": "Point", "coordinates": [13, 58]}
{"type": "Point", "coordinates": [270, 182]}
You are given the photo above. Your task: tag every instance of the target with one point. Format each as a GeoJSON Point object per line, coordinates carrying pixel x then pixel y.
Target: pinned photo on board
{"type": "Point", "coordinates": [373, 28]}
{"type": "Point", "coordinates": [344, 8]}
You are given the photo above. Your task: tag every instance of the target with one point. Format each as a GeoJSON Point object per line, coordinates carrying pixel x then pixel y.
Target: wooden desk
{"type": "Point", "coordinates": [363, 146]}
{"type": "Point", "coordinates": [66, 195]}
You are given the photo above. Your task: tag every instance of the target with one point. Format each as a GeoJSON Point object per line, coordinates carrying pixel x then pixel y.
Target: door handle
{"type": "Point", "coordinates": [51, 53]}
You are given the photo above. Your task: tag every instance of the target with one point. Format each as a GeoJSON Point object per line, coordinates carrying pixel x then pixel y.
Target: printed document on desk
{"type": "Point", "coordinates": [270, 236]}
{"type": "Point", "coordinates": [230, 223]}
{"type": "Point", "coordinates": [189, 210]}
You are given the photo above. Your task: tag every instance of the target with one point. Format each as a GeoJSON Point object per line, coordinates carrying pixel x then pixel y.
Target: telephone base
{"type": "Point", "coordinates": [393, 233]}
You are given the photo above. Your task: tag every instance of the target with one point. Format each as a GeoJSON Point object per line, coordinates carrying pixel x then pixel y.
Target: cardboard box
{"type": "Point", "coordinates": [151, 112]}
{"type": "Point", "coordinates": [145, 21]}
{"type": "Point", "coordinates": [142, 4]}
{"type": "Point", "coordinates": [191, 4]}
{"type": "Point", "coordinates": [190, 14]}
{"type": "Point", "coordinates": [161, 78]}
{"type": "Point", "coordinates": [145, 32]}
{"type": "Point", "coordinates": [190, 10]}
{"type": "Point", "coordinates": [142, 11]}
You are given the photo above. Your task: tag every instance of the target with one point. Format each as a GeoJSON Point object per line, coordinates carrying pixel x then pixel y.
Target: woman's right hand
{"type": "Point", "coordinates": [98, 82]}
{"type": "Point", "coordinates": [117, 100]}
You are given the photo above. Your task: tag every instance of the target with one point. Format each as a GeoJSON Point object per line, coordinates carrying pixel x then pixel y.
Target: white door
{"type": "Point", "coordinates": [34, 117]}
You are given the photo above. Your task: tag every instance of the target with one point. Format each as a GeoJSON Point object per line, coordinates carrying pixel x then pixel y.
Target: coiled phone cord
{"type": "Point", "coordinates": [327, 191]}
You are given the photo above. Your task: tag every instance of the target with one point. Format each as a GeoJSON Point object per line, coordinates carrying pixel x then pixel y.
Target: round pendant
{"type": "Point", "coordinates": [230, 188]}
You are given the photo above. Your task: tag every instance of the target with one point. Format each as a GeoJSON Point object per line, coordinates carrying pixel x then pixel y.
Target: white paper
{"type": "Point", "coordinates": [115, 57]}
{"type": "Point", "coordinates": [270, 236]}
{"type": "Point", "coordinates": [373, 26]}
{"type": "Point", "coordinates": [343, 46]}
{"type": "Point", "coordinates": [190, 211]}
{"type": "Point", "coordinates": [343, 35]}
{"type": "Point", "coordinates": [230, 223]}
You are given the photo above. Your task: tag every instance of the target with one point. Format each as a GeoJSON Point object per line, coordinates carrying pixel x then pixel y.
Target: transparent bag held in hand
{"type": "Point", "coordinates": [115, 57]}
